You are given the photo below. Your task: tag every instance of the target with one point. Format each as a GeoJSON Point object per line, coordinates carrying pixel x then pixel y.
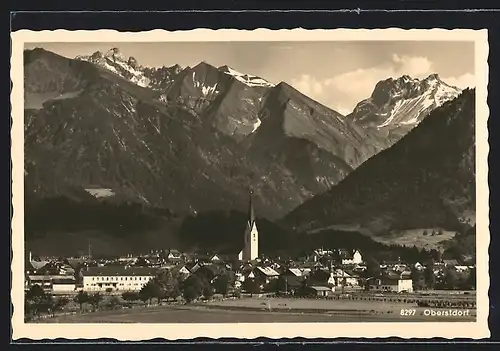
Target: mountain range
{"type": "Point", "coordinates": [398, 105]}
{"type": "Point", "coordinates": [196, 139]}
{"type": "Point", "coordinates": [426, 181]}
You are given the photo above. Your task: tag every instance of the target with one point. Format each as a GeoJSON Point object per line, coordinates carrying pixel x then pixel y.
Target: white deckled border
{"type": "Point", "coordinates": [135, 332]}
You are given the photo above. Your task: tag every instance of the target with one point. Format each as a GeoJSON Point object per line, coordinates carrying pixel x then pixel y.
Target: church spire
{"type": "Point", "coordinates": [251, 212]}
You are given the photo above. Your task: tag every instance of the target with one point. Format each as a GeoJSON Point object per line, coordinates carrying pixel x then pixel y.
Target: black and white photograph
{"type": "Point", "coordinates": [250, 179]}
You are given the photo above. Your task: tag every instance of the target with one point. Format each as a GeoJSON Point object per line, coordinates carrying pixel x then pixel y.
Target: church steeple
{"type": "Point", "coordinates": [251, 212]}
{"type": "Point", "coordinates": [251, 248]}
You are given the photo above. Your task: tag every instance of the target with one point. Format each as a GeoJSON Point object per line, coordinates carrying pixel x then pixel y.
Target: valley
{"type": "Point", "coordinates": [139, 152]}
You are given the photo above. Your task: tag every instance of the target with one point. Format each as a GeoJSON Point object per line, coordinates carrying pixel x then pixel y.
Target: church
{"type": "Point", "coordinates": [251, 237]}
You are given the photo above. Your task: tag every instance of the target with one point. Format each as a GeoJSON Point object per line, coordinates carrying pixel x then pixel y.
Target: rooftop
{"type": "Point", "coordinates": [120, 271]}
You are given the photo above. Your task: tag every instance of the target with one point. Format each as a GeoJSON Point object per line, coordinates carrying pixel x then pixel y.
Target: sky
{"type": "Point", "coordinates": [338, 74]}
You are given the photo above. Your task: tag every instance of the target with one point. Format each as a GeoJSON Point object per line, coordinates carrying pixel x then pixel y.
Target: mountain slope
{"type": "Point", "coordinates": [107, 138]}
{"type": "Point", "coordinates": [189, 140]}
{"type": "Point", "coordinates": [425, 180]}
{"type": "Point", "coordinates": [398, 105]}
{"type": "Point", "coordinates": [316, 143]}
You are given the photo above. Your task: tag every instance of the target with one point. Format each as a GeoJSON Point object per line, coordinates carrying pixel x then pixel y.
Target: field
{"type": "Point", "coordinates": [265, 310]}
{"type": "Point", "coordinates": [414, 237]}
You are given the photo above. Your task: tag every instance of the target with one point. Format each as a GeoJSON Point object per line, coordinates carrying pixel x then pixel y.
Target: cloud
{"type": "Point", "coordinates": [414, 66]}
{"type": "Point", "coordinates": [308, 85]}
{"type": "Point", "coordinates": [466, 80]}
{"type": "Point", "coordinates": [345, 90]}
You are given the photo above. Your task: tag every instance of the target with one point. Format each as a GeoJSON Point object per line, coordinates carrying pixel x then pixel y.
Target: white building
{"type": "Point", "coordinates": [339, 277]}
{"type": "Point", "coordinates": [46, 282]}
{"type": "Point", "coordinates": [63, 286]}
{"type": "Point", "coordinates": [392, 285]}
{"type": "Point", "coordinates": [117, 278]}
{"type": "Point", "coordinates": [251, 249]}
{"type": "Point", "coordinates": [354, 258]}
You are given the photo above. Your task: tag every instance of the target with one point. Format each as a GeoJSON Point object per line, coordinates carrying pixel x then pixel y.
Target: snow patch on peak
{"type": "Point", "coordinates": [206, 90]}
{"type": "Point", "coordinates": [444, 93]}
{"type": "Point", "coordinates": [256, 125]}
{"type": "Point", "coordinates": [252, 81]}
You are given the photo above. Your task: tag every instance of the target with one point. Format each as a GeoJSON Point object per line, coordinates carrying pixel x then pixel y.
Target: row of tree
{"type": "Point", "coordinates": [37, 301]}
{"type": "Point", "coordinates": [449, 280]}
{"type": "Point", "coordinates": [167, 285]}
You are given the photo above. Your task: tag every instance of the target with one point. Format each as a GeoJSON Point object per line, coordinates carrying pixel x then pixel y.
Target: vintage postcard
{"type": "Point", "coordinates": [244, 184]}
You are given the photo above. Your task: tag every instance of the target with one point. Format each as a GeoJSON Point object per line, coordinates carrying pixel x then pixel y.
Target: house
{"type": "Point", "coordinates": [63, 285]}
{"type": "Point", "coordinates": [38, 265]}
{"type": "Point", "coordinates": [351, 257]}
{"type": "Point", "coordinates": [318, 291]}
{"type": "Point", "coordinates": [462, 268]}
{"type": "Point", "coordinates": [183, 270]}
{"type": "Point", "coordinates": [340, 277]}
{"type": "Point", "coordinates": [117, 278]}
{"type": "Point", "coordinates": [174, 255]}
{"type": "Point", "coordinates": [295, 272]}
{"type": "Point", "coordinates": [66, 269]}
{"type": "Point", "coordinates": [391, 285]}
{"type": "Point", "coordinates": [215, 259]}
{"type": "Point", "coordinates": [399, 267]}
{"type": "Point", "coordinates": [46, 281]}
{"type": "Point", "coordinates": [419, 266]}
{"type": "Point", "coordinates": [360, 268]}
{"type": "Point", "coordinates": [180, 270]}
{"type": "Point", "coordinates": [265, 274]}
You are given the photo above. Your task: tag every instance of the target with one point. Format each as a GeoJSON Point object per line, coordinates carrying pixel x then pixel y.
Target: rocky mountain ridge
{"type": "Point", "coordinates": [196, 141]}
{"type": "Point", "coordinates": [398, 105]}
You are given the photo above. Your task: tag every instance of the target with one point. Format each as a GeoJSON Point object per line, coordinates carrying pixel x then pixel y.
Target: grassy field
{"type": "Point", "coordinates": [416, 237]}
{"type": "Point", "coordinates": [262, 310]}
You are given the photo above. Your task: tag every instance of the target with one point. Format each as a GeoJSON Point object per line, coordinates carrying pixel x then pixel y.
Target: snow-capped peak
{"type": "Point", "coordinates": [129, 68]}
{"type": "Point", "coordinates": [426, 95]}
{"type": "Point", "coordinates": [115, 54]}
{"type": "Point", "coordinates": [403, 101]}
{"type": "Point", "coordinates": [252, 81]}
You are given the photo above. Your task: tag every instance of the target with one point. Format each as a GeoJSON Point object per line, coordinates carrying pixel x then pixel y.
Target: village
{"type": "Point", "coordinates": [168, 274]}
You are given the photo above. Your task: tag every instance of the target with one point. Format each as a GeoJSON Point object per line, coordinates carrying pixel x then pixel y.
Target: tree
{"type": "Point", "coordinates": [208, 291]}
{"type": "Point", "coordinates": [471, 279]}
{"type": "Point", "coordinates": [130, 296]}
{"type": "Point", "coordinates": [60, 303]}
{"type": "Point", "coordinates": [222, 284]}
{"type": "Point", "coordinates": [113, 302]}
{"type": "Point", "coordinates": [35, 293]}
{"type": "Point", "coordinates": [46, 304]}
{"type": "Point", "coordinates": [450, 278]}
{"type": "Point", "coordinates": [429, 276]}
{"type": "Point", "coordinates": [176, 291]}
{"type": "Point", "coordinates": [95, 300]}
{"type": "Point", "coordinates": [250, 285]}
{"type": "Point", "coordinates": [418, 279]}
{"type": "Point", "coordinates": [372, 268]}
{"type": "Point", "coordinates": [170, 283]}
{"type": "Point", "coordinates": [81, 298]}
{"type": "Point", "coordinates": [192, 288]}
{"type": "Point", "coordinates": [28, 308]}
{"type": "Point", "coordinates": [157, 289]}
{"type": "Point", "coordinates": [146, 293]}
